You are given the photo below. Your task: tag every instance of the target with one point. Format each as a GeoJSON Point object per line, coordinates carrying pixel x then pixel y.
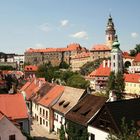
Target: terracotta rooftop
{"type": "Point", "coordinates": [137, 58]}
{"type": "Point", "coordinates": [50, 96]}
{"type": "Point", "coordinates": [70, 47]}
{"type": "Point", "coordinates": [127, 55]}
{"type": "Point", "coordinates": [30, 68]}
{"type": "Point", "coordinates": [13, 106]}
{"type": "Point", "coordinates": [31, 87]}
{"type": "Point", "coordinates": [85, 109]}
{"type": "Point", "coordinates": [101, 71]}
{"type": "Point", "coordinates": [134, 78]}
{"type": "Point", "coordinates": [68, 99]}
{"type": "Point", "coordinates": [100, 47]}
{"type": "Point", "coordinates": [82, 55]}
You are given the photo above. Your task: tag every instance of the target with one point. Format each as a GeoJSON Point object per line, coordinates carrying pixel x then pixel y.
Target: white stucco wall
{"type": "Point", "coordinates": [7, 128]}
{"type": "Point", "coordinates": [99, 134]}
{"type": "Point", "coordinates": [45, 118]}
{"type": "Point", "coordinates": [58, 121]}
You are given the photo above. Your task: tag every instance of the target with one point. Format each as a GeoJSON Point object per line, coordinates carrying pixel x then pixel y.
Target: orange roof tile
{"type": "Point", "coordinates": [134, 78]}
{"type": "Point", "coordinates": [127, 55]}
{"type": "Point", "coordinates": [13, 106]}
{"type": "Point", "coordinates": [30, 68]}
{"type": "Point", "coordinates": [52, 95]}
{"type": "Point", "coordinates": [137, 58]}
{"type": "Point", "coordinates": [100, 47]}
{"type": "Point", "coordinates": [31, 87]}
{"type": "Point", "coordinates": [101, 71]}
{"type": "Point", "coordinates": [70, 47]}
{"type": "Point", "coordinates": [82, 55]}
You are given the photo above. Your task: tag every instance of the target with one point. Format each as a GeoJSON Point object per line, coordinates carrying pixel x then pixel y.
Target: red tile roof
{"type": "Point", "coordinates": [134, 78]}
{"type": "Point", "coordinates": [30, 68]}
{"type": "Point", "coordinates": [137, 58]}
{"type": "Point", "coordinates": [31, 87]}
{"type": "Point", "coordinates": [82, 55]}
{"type": "Point", "coordinates": [1, 115]}
{"type": "Point", "coordinates": [52, 95]}
{"type": "Point", "coordinates": [71, 47]}
{"type": "Point", "coordinates": [101, 71]}
{"type": "Point", "coordinates": [100, 47]}
{"type": "Point", "coordinates": [127, 55]}
{"type": "Point", "coordinates": [13, 106]}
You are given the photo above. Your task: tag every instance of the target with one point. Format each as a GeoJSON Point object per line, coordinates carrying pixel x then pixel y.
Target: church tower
{"type": "Point", "coordinates": [110, 32]}
{"type": "Point", "coordinates": [116, 57]}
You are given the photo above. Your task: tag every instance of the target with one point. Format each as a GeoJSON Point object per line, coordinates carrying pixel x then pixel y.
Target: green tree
{"type": "Point", "coordinates": [120, 85]}
{"type": "Point", "coordinates": [62, 133]}
{"type": "Point", "coordinates": [132, 52]}
{"type": "Point", "coordinates": [111, 82]}
{"type": "Point", "coordinates": [128, 132]}
{"type": "Point", "coordinates": [116, 83]}
{"type": "Point", "coordinates": [137, 48]}
{"type": "Point", "coordinates": [77, 81]}
{"type": "Point", "coordinates": [63, 65]}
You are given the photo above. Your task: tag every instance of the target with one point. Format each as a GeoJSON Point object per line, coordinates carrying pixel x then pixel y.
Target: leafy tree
{"type": "Point", "coordinates": [128, 132]}
{"type": "Point", "coordinates": [116, 83]}
{"type": "Point", "coordinates": [6, 68]}
{"type": "Point", "coordinates": [132, 52]}
{"type": "Point", "coordinates": [111, 82]}
{"type": "Point", "coordinates": [63, 65]}
{"type": "Point", "coordinates": [77, 81]}
{"type": "Point", "coordinates": [76, 131]}
{"type": "Point", "coordinates": [135, 51]}
{"type": "Point", "coordinates": [137, 48]}
{"type": "Point", "coordinates": [62, 133]}
{"type": "Point", "coordinates": [120, 85]}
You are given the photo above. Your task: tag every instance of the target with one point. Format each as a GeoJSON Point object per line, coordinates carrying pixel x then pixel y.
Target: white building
{"type": "Point", "coordinates": [46, 97]}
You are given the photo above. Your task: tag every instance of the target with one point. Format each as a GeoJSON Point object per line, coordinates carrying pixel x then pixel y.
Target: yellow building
{"type": "Point", "coordinates": [132, 83]}
{"type": "Point", "coordinates": [79, 60]}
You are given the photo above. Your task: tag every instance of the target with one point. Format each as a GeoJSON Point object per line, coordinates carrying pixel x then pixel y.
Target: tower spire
{"type": "Point", "coordinates": [110, 32]}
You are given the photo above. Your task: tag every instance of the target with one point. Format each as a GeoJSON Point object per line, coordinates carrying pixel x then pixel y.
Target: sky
{"type": "Point", "coordinates": [28, 24]}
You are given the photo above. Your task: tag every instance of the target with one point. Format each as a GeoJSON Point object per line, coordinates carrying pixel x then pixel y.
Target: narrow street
{"type": "Point", "coordinates": [40, 133]}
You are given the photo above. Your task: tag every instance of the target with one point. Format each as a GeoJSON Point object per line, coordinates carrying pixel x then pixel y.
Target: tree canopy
{"type": "Point", "coordinates": [116, 83]}
{"type": "Point", "coordinates": [135, 51]}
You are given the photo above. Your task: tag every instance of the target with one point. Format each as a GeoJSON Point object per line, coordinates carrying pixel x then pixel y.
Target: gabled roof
{"type": "Point", "coordinates": [101, 71]}
{"type": "Point", "coordinates": [100, 47]}
{"type": "Point", "coordinates": [117, 110]}
{"type": "Point", "coordinates": [13, 106]}
{"type": "Point", "coordinates": [137, 58]}
{"type": "Point", "coordinates": [68, 99]}
{"type": "Point", "coordinates": [133, 78]}
{"type": "Point", "coordinates": [127, 55]}
{"type": "Point", "coordinates": [85, 109]}
{"type": "Point", "coordinates": [51, 96]}
{"type": "Point", "coordinates": [31, 87]}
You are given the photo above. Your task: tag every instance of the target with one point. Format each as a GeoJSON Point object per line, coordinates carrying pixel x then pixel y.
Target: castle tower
{"type": "Point", "coordinates": [116, 57]}
{"type": "Point", "coordinates": [110, 32]}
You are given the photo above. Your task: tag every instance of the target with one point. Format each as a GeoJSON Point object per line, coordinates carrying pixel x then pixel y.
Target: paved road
{"type": "Point", "coordinates": [40, 133]}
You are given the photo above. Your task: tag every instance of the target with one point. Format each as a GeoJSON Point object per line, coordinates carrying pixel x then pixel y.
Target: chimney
{"type": "Point", "coordinates": [112, 96]}
{"type": "Point", "coordinates": [104, 63]}
{"type": "Point", "coordinates": [108, 63]}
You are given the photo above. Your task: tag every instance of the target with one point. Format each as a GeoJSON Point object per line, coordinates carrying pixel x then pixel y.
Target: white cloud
{"type": "Point", "coordinates": [81, 34]}
{"type": "Point", "coordinates": [64, 23]}
{"type": "Point", "coordinates": [134, 35]}
{"type": "Point", "coordinates": [39, 45]}
{"type": "Point", "coordinates": [45, 27]}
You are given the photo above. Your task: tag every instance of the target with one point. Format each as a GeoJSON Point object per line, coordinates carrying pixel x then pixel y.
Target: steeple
{"type": "Point", "coordinates": [110, 32]}
{"type": "Point", "coordinates": [116, 56]}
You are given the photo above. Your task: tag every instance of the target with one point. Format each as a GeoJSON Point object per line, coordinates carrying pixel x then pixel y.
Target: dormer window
{"type": "Point", "coordinates": [61, 102]}
{"type": "Point", "coordinates": [66, 104]}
